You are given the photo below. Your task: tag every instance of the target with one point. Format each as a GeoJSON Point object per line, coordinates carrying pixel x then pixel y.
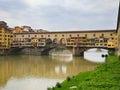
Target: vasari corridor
{"type": "Point", "coordinates": [39, 59]}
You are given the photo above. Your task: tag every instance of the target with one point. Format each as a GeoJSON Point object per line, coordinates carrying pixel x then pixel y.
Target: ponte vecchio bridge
{"type": "Point", "coordinates": [69, 39]}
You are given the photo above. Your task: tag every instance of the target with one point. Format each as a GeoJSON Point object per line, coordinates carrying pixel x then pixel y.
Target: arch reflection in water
{"type": "Point", "coordinates": [64, 69]}
{"type": "Point", "coordinates": [61, 54]}
{"type": "Point", "coordinates": [57, 69]}
{"type": "Point", "coordinates": [60, 69]}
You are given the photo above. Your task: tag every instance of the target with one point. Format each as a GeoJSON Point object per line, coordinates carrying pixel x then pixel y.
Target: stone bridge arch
{"type": "Point", "coordinates": [48, 41]}
{"type": "Point", "coordinates": [55, 41]}
{"type": "Point", "coordinates": [62, 41]}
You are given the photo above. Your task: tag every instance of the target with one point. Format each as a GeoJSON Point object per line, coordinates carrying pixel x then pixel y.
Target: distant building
{"type": "Point", "coordinates": [6, 36]}
{"type": "Point", "coordinates": [17, 29]}
{"type": "Point", "coordinates": [3, 24]}
{"type": "Point", "coordinates": [40, 30]}
{"type": "Point", "coordinates": [27, 29]}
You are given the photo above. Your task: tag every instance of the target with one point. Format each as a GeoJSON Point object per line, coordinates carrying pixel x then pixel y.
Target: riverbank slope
{"type": "Point", "coordinates": [104, 77]}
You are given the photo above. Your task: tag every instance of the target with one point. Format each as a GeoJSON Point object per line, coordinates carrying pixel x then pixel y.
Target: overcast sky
{"type": "Point", "coordinates": [64, 15]}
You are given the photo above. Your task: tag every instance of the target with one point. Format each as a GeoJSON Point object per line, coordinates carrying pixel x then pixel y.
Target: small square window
{"type": "Point", "coordinates": [102, 35]}
{"type": "Point", "coordinates": [48, 35]}
{"type": "Point", "coordinates": [55, 35]}
{"type": "Point", "coordinates": [70, 35]}
{"type": "Point", "coordinates": [85, 35]}
{"type": "Point", "coordinates": [94, 35]}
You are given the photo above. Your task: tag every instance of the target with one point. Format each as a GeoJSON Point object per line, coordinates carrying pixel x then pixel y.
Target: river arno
{"type": "Point", "coordinates": [38, 72]}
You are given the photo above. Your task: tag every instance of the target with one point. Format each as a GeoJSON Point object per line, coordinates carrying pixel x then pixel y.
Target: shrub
{"type": "Point", "coordinates": [58, 85]}
{"type": "Point", "coordinates": [48, 88]}
{"type": "Point", "coordinates": [73, 76]}
{"type": "Point", "coordinates": [68, 78]}
{"type": "Point", "coordinates": [53, 88]}
{"type": "Point", "coordinates": [103, 56]}
{"type": "Point", "coordinates": [111, 52]}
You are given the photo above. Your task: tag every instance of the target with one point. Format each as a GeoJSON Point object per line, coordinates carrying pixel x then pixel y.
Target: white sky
{"type": "Point", "coordinates": [59, 15]}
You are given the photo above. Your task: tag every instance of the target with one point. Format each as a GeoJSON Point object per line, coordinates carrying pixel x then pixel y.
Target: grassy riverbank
{"type": "Point", "coordinates": [104, 77]}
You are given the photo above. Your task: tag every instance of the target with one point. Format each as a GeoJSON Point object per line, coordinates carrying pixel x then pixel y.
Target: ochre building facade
{"type": "Point", "coordinates": [6, 36]}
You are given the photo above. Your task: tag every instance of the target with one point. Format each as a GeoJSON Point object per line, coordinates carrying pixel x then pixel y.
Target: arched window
{"type": "Point", "coordinates": [94, 34]}
{"type": "Point", "coordinates": [55, 35]}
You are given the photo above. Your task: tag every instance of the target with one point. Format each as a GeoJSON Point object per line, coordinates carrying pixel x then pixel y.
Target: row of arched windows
{"type": "Point", "coordinates": [70, 35]}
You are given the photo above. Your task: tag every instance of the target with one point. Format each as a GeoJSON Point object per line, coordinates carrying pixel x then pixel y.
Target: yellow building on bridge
{"type": "Point", "coordinates": [98, 38]}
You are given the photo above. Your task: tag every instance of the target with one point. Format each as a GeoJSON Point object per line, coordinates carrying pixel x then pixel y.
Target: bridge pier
{"type": "Point", "coordinates": [79, 51]}
{"type": "Point", "coordinates": [76, 51]}
{"type": "Point", "coordinates": [2, 52]}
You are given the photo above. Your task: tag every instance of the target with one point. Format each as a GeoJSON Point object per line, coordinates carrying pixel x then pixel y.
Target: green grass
{"type": "Point", "coordinates": [105, 77]}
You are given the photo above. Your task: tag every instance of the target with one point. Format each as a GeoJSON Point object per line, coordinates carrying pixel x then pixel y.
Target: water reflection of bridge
{"type": "Point", "coordinates": [37, 66]}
